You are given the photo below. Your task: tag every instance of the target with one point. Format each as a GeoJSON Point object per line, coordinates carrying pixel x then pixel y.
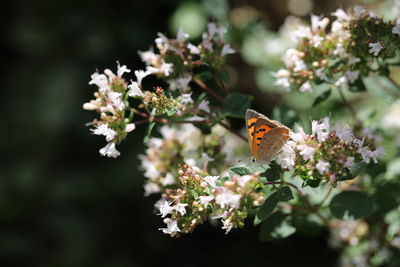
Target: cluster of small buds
{"type": "Point", "coordinates": [328, 153]}
{"type": "Point", "coordinates": [179, 145]}
{"type": "Point", "coordinates": [340, 56]}
{"type": "Point", "coordinates": [348, 232]}
{"type": "Point", "coordinates": [177, 57]}
{"type": "Point", "coordinates": [199, 197]}
{"type": "Point", "coordinates": [111, 101]}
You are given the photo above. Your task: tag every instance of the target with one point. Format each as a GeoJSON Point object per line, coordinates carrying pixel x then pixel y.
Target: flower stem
{"type": "Point", "coordinates": [349, 106]}
{"type": "Point", "coordinates": [326, 196]}
{"type": "Point", "coordinates": [163, 120]}
{"type": "Point", "coordinates": [208, 90]}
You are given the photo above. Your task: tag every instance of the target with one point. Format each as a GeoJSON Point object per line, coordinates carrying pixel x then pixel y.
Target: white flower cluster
{"type": "Point", "coordinates": [324, 141]}
{"type": "Point", "coordinates": [310, 60]}
{"type": "Point", "coordinates": [214, 198]}
{"type": "Point", "coordinates": [110, 104]}
{"type": "Point", "coordinates": [177, 145]}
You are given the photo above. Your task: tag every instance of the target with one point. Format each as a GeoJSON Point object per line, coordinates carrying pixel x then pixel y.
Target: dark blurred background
{"type": "Point", "coordinates": [61, 204]}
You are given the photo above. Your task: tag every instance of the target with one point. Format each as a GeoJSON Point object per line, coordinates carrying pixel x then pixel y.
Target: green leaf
{"type": "Point", "coordinates": [276, 227]}
{"type": "Point", "coordinates": [322, 97]}
{"type": "Point", "coordinates": [351, 205]}
{"type": "Point", "coordinates": [224, 76]}
{"type": "Point", "coordinates": [236, 104]}
{"type": "Point", "coordinates": [274, 173]}
{"type": "Point", "coordinates": [355, 170]}
{"type": "Point", "coordinates": [240, 170]}
{"type": "Point", "coordinates": [357, 86]}
{"type": "Point", "coordinates": [148, 132]}
{"type": "Point", "coordinates": [282, 194]}
{"type": "Point", "coordinates": [204, 76]}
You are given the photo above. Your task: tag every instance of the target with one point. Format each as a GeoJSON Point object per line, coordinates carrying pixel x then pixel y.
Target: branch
{"type": "Point", "coordinates": [208, 90]}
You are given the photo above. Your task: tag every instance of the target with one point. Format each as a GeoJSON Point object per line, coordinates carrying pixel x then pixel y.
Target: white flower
{"type": "Point", "coordinates": [306, 151]}
{"type": "Point", "coordinates": [287, 156]}
{"type": "Point", "coordinates": [302, 32]}
{"type": "Point", "coordinates": [181, 36]}
{"type": "Point", "coordinates": [148, 57]}
{"type": "Point", "coordinates": [169, 179]}
{"type": "Point", "coordinates": [317, 40]}
{"type": "Point", "coordinates": [321, 74]}
{"type": "Point", "coordinates": [100, 80]}
{"type": "Point", "coordinates": [375, 48]}
{"type": "Point", "coordinates": [103, 129]}
{"type": "Point", "coordinates": [320, 130]}
{"type": "Point", "coordinates": [151, 188]}
{"type": "Point", "coordinates": [242, 180]}
{"type": "Point", "coordinates": [150, 169]}
{"type": "Point", "coordinates": [109, 150]}
{"type": "Point", "coordinates": [342, 81]}
{"type": "Point", "coordinates": [90, 106]}
{"type": "Point", "coordinates": [341, 15]}
{"type": "Point", "coordinates": [228, 198]}
{"type": "Point", "coordinates": [222, 31]}
{"type": "Point", "coordinates": [172, 227]}
{"type": "Point", "coordinates": [193, 49]}
{"type": "Point", "coordinates": [140, 74]}
{"type": "Point", "coordinates": [206, 159]}
{"type": "Point", "coordinates": [207, 44]}
{"type": "Point", "coordinates": [204, 105]}
{"type": "Point", "coordinates": [212, 29]}
{"type": "Point", "coordinates": [206, 199]}
{"type": "Point", "coordinates": [165, 208]}
{"type": "Point", "coordinates": [122, 69]}
{"type": "Point", "coordinates": [226, 50]}
{"type": "Point", "coordinates": [186, 99]}
{"type": "Point", "coordinates": [116, 99]}
{"type": "Point", "coordinates": [344, 133]}
{"type": "Point", "coordinates": [167, 68]}
{"type": "Point", "coordinates": [378, 153]}
{"type": "Point", "coordinates": [349, 162]}
{"type": "Point", "coordinates": [180, 208]}
{"type": "Point", "coordinates": [352, 76]}
{"type": "Point", "coordinates": [299, 65]}
{"type": "Point", "coordinates": [322, 166]}
{"type": "Point", "coordinates": [318, 23]}
{"type": "Point", "coordinates": [298, 136]}
{"type": "Point", "coordinates": [365, 154]}
{"type": "Point", "coordinates": [282, 79]}
{"type": "Point", "coordinates": [396, 29]}
{"type": "Point", "coordinates": [359, 10]}
{"type": "Point", "coordinates": [211, 180]}
{"type": "Point", "coordinates": [305, 87]}
{"type": "Point", "coordinates": [134, 90]}
{"type": "Point", "coordinates": [353, 60]}
{"type": "Point", "coordinates": [162, 42]}
{"type": "Point", "coordinates": [180, 83]}
{"type": "Point", "coordinates": [290, 57]}
{"type": "Point", "coordinates": [130, 127]}
{"type": "Point", "coordinates": [227, 225]}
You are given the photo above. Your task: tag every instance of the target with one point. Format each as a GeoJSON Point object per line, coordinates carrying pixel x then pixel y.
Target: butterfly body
{"type": "Point", "coordinates": [266, 137]}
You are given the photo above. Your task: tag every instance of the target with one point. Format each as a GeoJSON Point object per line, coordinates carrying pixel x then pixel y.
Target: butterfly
{"type": "Point", "coordinates": [266, 137]}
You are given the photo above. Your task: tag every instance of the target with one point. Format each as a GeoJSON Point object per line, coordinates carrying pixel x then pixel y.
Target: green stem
{"type": "Point", "coordinates": [349, 106]}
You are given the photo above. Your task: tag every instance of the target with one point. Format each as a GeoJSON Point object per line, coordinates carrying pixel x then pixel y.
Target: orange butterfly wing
{"type": "Point", "coordinates": [266, 137]}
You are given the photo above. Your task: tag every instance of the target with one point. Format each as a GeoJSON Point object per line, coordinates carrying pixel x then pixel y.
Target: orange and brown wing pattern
{"type": "Point", "coordinates": [261, 128]}
{"type": "Point", "coordinates": [251, 119]}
